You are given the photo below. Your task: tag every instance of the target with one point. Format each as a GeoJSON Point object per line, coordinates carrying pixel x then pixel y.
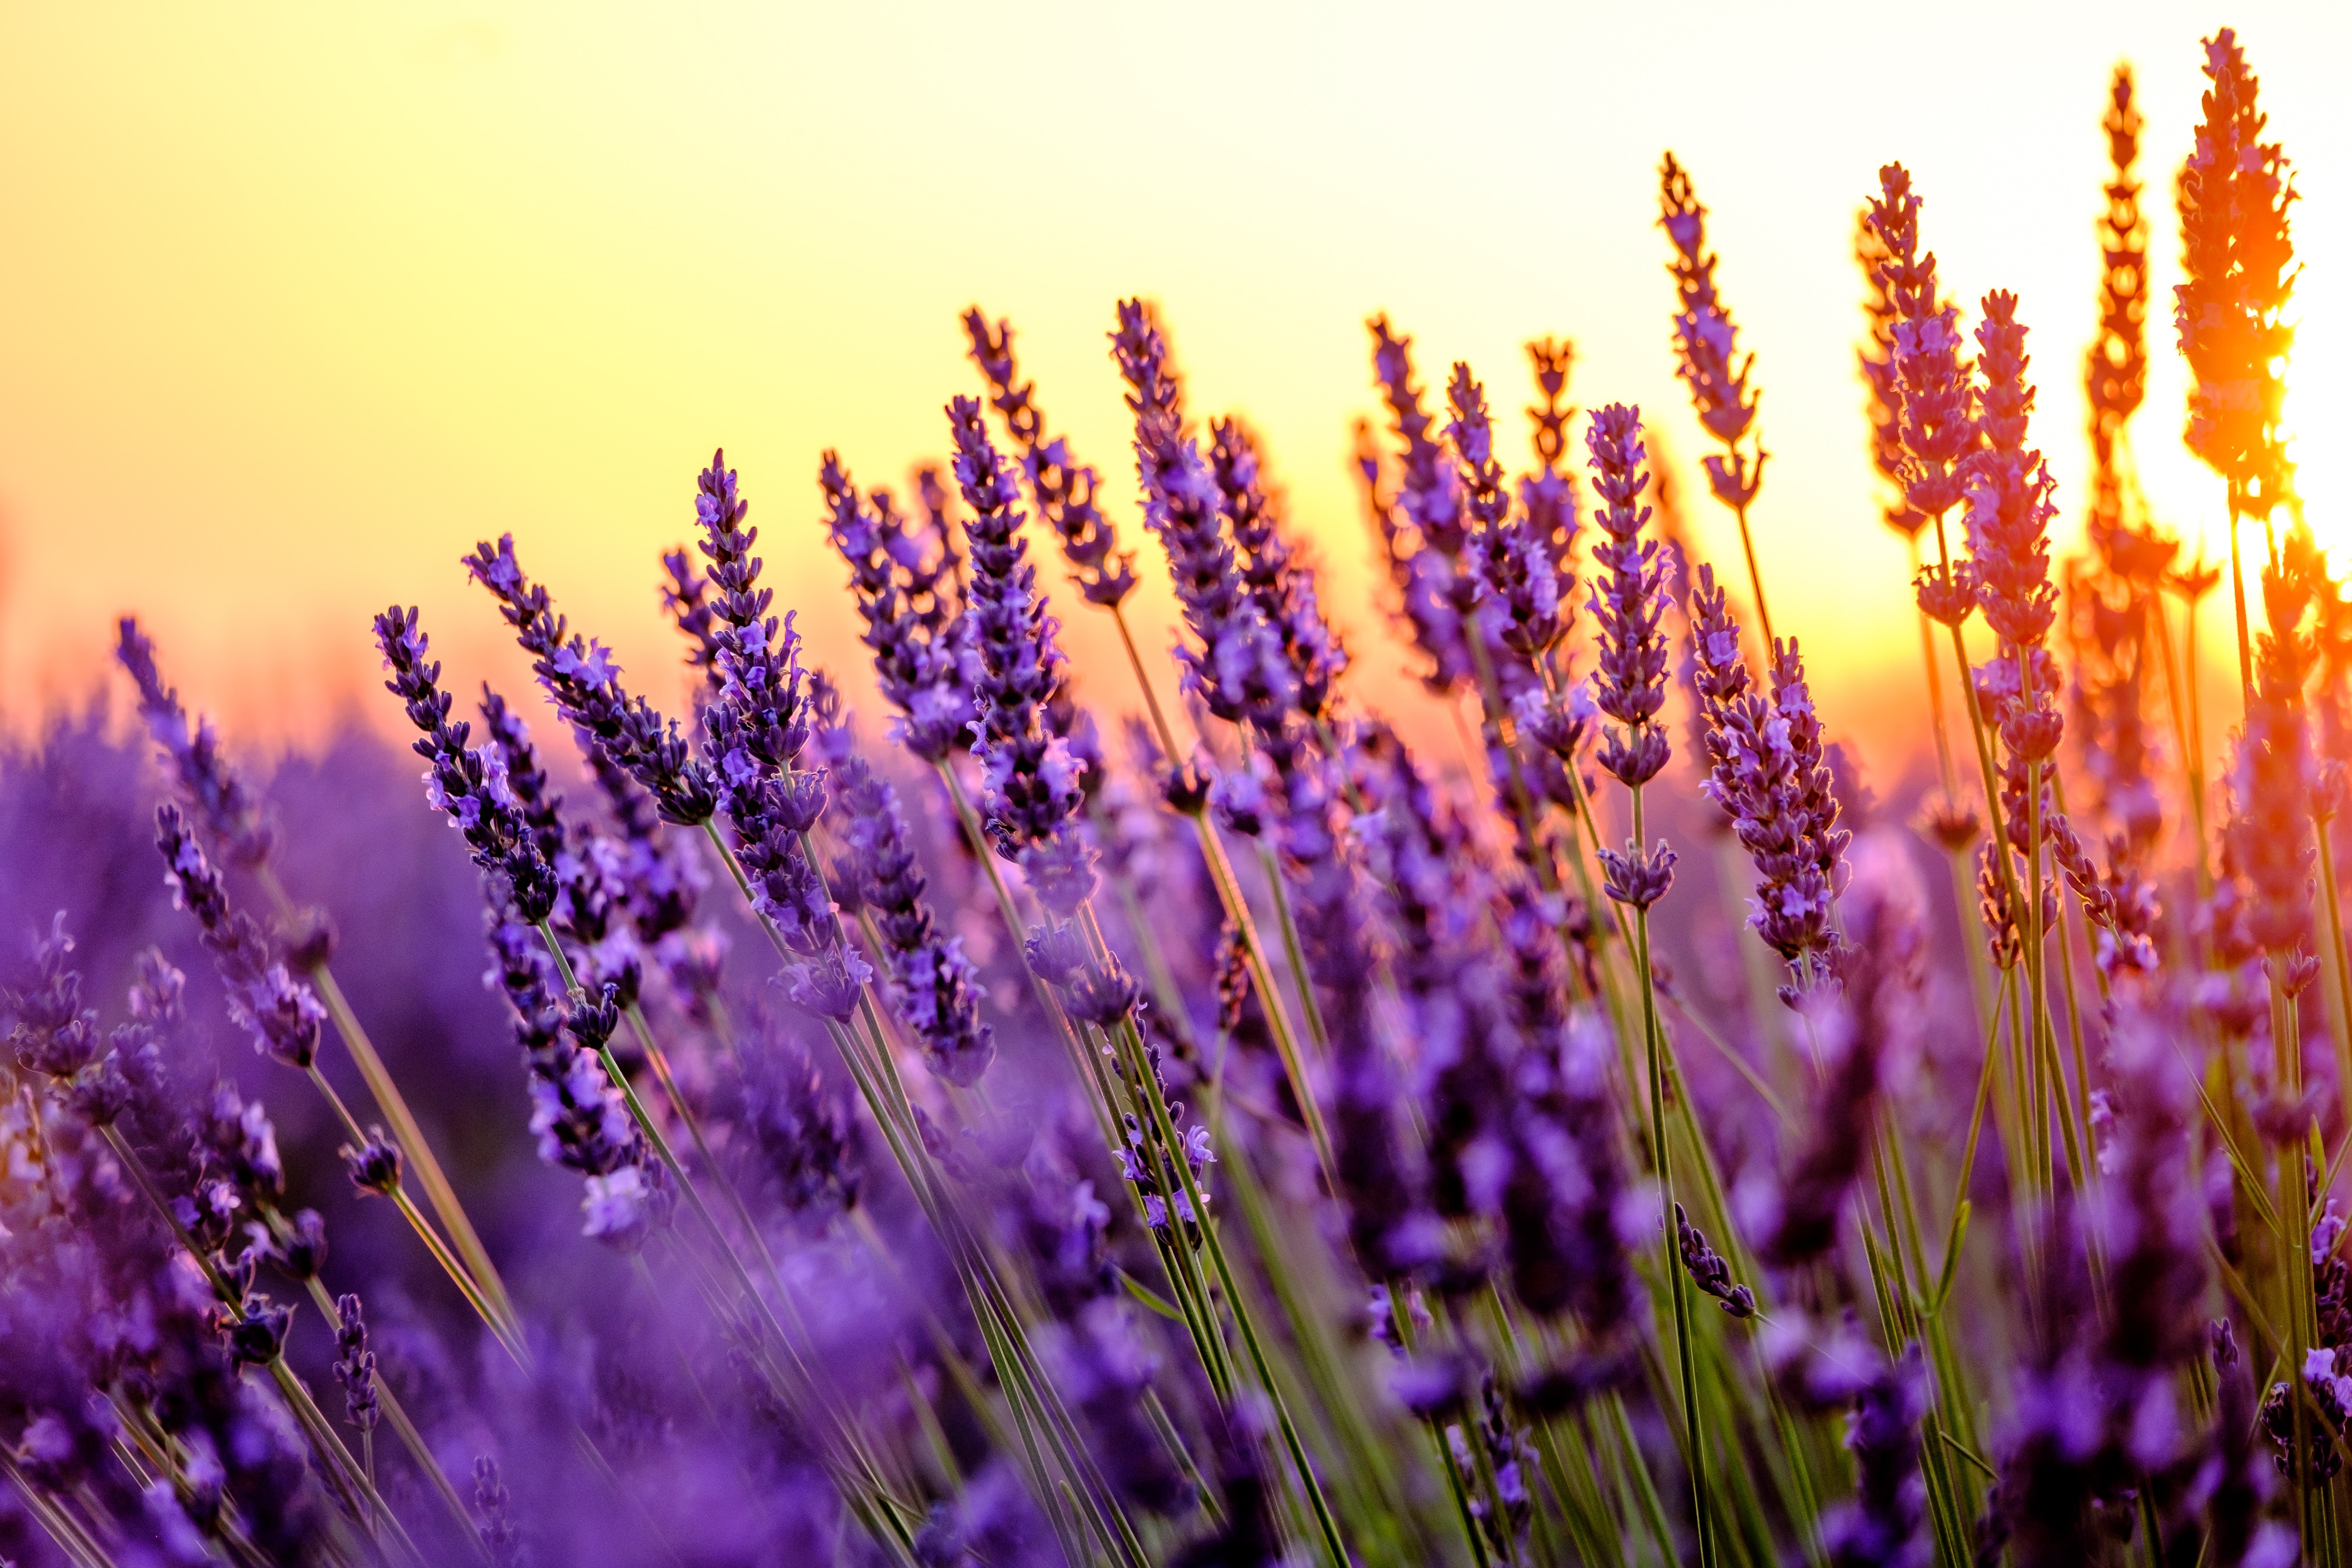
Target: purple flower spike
{"type": "Point", "coordinates": [755, 731]}
{"type": "Point", "coordinates": [1629, 598]}
{"type": "Point", "coordinates": [1031, 774]}
{"type": "Point", "coordinates": [1424, 528]}
{"type": "Point", "coordinates": [1707, 344]}
{"type": "Point", "coordinates": [1509, 556]}
{"type": "Point", "coordinates": [238, 825]}
{"type": "Point", "coordinates": [585, 681]}
{"type": "Point", "coordinates": [469, 786]}
{"type": "Point", "coordinates": [1767, 771]}
{"type": "Point", "coordinates": [1279, 579]}
{"type": "Point", "coordinates": [2008, 488]}
{"type": "Point", "coordinates": [279, 1012]}
{"type": "Point", "coordinates": [1064, 487]}
{"type": "Point", "coordinates": [935, 987]}
{"type": "Point", "coordinates": [917, 664]}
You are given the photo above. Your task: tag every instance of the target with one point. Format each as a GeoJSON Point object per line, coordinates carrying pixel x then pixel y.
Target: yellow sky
{"type": "Point", "coordinates": [298, 301]}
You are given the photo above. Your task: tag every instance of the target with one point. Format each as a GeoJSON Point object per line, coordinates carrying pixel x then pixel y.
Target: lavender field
{"type": "Point", "coordinates": [955, 1116]}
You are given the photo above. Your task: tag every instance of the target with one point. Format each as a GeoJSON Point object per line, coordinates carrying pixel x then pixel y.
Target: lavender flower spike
{"type": "Point", "coordinates": [2235, 251]}
{"type": "Point", "coordinates": [1767, 771]}
{"type": "Point", "coordinates": [467, 784]}
{"type": "Point", "coordinates": [585, 683]}
{"type": "Point", "coordinates": [755, 731]}
{"type": "Point", "coordinates": [935, 987]}
{"type": "Point", "coordinates": [1239, 668]}
{"type": "Point", "coordinates": [238, 825]}
{"type": "Point", "coordinates": [279, 1012]}
{"type": "Point", "coordinates": [1430, 501]}
{"type": "Point", "coordinates": [1510, 559]}
{"type": "Point", "coordinates": [917, 668]}
{"type": "Point", "coordinates": [1707, 344]}
{"type": "Point", "coordinates": [1629, 600]}
{"type": "Point", "coordinates": [1031, 776]}
{"type": "Point", "coordinates": [1064, 488]}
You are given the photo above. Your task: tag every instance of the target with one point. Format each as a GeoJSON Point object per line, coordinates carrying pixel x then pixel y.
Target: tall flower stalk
{"type": "Point", "coordinates": [1629, 601]}
{"type": "Point", "coordinates": [1706, 355]}
{"type": "Point", "coordinates": [2230, 315]}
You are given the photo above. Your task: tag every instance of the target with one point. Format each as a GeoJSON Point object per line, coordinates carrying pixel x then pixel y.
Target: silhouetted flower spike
{"type": "Point", "coordinates": [1707, 344]}
{"type": "Point", "coordinates": [1064, 487]}
{"type": "Point", "coordinates": [2115, 365]}
{"type": "Point", "coordinates": [585, 680]}
{"type": "Point", "coordinates": [238, 824]}
{"type": "Point", "coordinates": [355, 1364]}
{"type": "Point", "coordinates": [1548, 496]}
{"type": "Point", "coordinates": [686, 596]}
{"type": "Point", "coordinates": [2238, 260]}
{"type": "Point", "coordinates": [1707, 1269]}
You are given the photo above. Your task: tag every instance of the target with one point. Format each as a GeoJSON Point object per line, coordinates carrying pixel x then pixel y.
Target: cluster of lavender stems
{"type": "Point", "coordinates": [2020, 1214]}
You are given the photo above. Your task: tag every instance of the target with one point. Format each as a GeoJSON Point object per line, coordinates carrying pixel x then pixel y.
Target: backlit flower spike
{"type": "Point", "coordinates": [1707, 343]}
{"type": "Point", "coordinates": [754, 734]}
{"type": "Point", "coordinates": [2238, 260]}
{"type": "Point", "coordinates": [935, 987]}
{"type": "Point", "coordinates": [1934, 390]}
{"type": "Point", "coordinates": [1064, 487]}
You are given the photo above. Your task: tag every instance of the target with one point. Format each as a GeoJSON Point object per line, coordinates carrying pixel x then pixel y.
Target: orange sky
{"type": "Point", "coordinates": [301, 300]}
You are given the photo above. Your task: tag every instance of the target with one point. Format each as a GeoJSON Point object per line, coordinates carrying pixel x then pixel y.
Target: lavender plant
{"type": "Point", "coordinates": [1408, 1190]}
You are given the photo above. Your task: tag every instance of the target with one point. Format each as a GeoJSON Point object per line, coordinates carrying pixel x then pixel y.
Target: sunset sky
{"type": "Point", "coordinates": [302, 300]}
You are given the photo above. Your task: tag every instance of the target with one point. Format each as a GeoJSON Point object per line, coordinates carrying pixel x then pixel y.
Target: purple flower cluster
{"type": "Point", "coordinates": [1629, 604]}
{"type": "Point", "coordinates": [1277, 577]}
{"type": "Point", "coordinates": [1767, 772]}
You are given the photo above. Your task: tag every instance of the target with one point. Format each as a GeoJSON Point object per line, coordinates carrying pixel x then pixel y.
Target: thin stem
{"type": "Point", "coordinates": [1665, 1161]}
{"type": "Point", "coordinates": [405, 1128]}
{"type": "Point", "coordinates": [1756, 577]}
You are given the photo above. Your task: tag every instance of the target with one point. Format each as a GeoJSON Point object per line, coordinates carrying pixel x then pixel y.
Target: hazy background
{"type": "Point", "coordinates": [297, 302]}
